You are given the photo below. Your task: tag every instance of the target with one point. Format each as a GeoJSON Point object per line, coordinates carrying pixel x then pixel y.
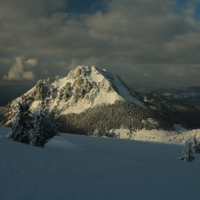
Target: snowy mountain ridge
{"type": "Point", "coordinates": [82, 88]}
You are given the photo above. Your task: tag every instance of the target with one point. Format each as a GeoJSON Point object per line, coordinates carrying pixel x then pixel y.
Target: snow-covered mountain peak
{"type": "Point", "coordinates": [93, 74]}
{"type": "Point", "coordinates": [83, 88]}
{"type": "Point", "coordinates": [87, 86]}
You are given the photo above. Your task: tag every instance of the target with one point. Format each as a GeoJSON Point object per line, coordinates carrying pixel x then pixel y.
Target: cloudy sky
{"type": "Point", "coordinates": [146, 42]}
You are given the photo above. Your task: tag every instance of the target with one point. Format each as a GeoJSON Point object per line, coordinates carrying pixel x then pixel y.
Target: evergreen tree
{"type": "Point", "coordinates": [43, 129]}
{"type": "Point", "coordinates": [22, 123]}
{"type": "Point", "coordinates": [34, 129]}
{"type": "Point", "coordinates": [187, 152]}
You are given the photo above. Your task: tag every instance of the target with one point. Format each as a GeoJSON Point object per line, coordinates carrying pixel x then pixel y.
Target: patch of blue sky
{"type": "Point", "coordinates": [86, 6]}
{"type": "Point", "coordinates": [197, 11]}
{"type": "Point", "coordinates": [79, 7]}
{"type": "Point", "coordinates": [2, 55]}
{"type": "Point", "coordinates": [186, 3]}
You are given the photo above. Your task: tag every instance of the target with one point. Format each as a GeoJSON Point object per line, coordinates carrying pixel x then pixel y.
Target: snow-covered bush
{"type": "Point", "coordinates": [187, 151]}
{"type": "Point", "coordinates": [195, 144]}
{"type": "Point", "coordinates": [32, 128]}
{"type": "Point", "coordinates": [192, 145]}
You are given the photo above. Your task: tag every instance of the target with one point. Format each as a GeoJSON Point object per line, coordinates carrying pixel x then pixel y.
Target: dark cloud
{"type": "Point", "coordinates": [150, 75]}
{"type": "Point", "coordinates": [142, 33]}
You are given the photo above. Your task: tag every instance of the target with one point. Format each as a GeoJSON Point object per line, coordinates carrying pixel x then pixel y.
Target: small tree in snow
{"type": "Point", "coordinates": [187, 151]}
{"type": "Point", "coordinates": [195, 145]}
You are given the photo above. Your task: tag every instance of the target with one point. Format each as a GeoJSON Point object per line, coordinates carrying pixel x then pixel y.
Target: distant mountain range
{"type": "Point", "coordinates": [93, 101]}
{"type": "Point", "coordinates": [188, 93]}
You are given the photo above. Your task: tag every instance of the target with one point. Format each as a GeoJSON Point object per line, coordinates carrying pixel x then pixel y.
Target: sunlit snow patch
{"type": "Point", "coordinates": [185, 135]}
{"type": "Point", "coordinates": [145, 135]}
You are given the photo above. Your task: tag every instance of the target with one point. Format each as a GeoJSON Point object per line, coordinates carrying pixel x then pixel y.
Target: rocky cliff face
{"type": "Point", "coordinates": [89, 98]}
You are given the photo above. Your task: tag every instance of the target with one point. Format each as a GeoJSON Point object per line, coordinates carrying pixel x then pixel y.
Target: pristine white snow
{"type": "Point", "coordinates": [83, 167]}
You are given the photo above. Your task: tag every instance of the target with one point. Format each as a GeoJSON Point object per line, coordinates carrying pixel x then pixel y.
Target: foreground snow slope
{"type": "Point", "coordinates": [83, 167]}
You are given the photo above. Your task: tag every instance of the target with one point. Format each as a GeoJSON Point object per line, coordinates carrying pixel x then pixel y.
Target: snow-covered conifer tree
{"type": "Point", "coordinates": [32, 128]}
{"type": "Point", "coordinates": [187, 151]}
{"type": "Point", "coordinates": [43, 129]}
{"type": "Point", "coordinates": [22, 123]}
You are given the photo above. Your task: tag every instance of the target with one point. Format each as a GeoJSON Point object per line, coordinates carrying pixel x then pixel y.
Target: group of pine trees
{"type": "Point", "coordinates": [32, 128]}
{"type": "Point", "coordinates": [105, 117]}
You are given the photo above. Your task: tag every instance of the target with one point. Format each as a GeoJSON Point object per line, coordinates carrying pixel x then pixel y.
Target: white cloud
{"type": "Point", "coordinates": [16, 73]}
{"type": "Point", "coordinates": [32, 62]}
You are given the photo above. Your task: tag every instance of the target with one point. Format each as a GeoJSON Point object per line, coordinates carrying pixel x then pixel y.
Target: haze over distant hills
{"type": "Point", "coordinates": [189, 93]}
